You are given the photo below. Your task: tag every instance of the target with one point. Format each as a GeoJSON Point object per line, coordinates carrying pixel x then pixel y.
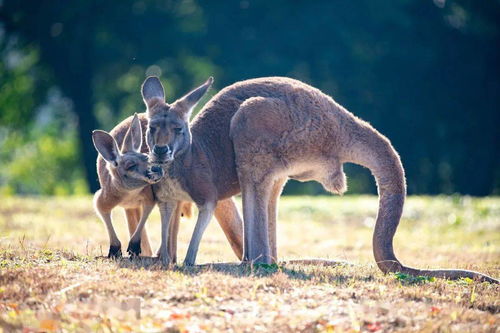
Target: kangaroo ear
{"type": "Point", "coordinates": [192, 98]}
{"type": "Point", "coordinates": [152, 91]}
{"type": "Point", "coordinates": [133, 138]}
{"type": "Point", "coordinates": [106, 146]}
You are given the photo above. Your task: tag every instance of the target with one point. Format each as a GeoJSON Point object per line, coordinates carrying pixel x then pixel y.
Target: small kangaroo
{"type": "Point", "coordinates": [125, 177]}
{"type": "Point", "coordinates": [257, 134]}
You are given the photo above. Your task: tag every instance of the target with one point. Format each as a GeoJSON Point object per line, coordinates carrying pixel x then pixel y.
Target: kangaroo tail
{"type": "Point", "coordinates": [372, 150]}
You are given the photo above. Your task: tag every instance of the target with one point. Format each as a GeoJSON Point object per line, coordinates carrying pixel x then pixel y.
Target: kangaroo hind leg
{"type": "Point", "coordinates": [277, 187]}
{"type": "Point", "coordinates": [255, 196]}
{"type": "Point", "coordinates": [139, 241]}
{"type": "Point", "coordinates": [230, 221]}
{"type": "Point", "coordinates": [257, 129]}
{"type": "Point", "coordinates": [103, 210]}
{"type": "Point", "coordinates": [174, 231]}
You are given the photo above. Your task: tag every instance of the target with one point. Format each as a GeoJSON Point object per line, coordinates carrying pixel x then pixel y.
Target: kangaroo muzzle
{"type": "Point", "coordinates": [162, 154]}
{"type": "Point", "coordinates": [154, 174]}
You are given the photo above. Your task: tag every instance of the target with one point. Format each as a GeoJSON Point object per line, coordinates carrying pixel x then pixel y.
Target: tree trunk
{"type": "Point", "coordinates": [76, 76]}
{"type": "Point", "coordinates": [87, 122]}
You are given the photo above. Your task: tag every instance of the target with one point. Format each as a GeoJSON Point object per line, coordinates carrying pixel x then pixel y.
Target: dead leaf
{"type": "Point", "coordinates": [435, 310]}
{"type": "Point", "coordinates": [374, 327]}
{"type": "Point", "coordinates": [13, 306]}
{"type": "Point", "coordinates": [49, 325]}
{"type": "Point", "coordinates": [29, 330]}
{"type": "Point", "coordinates": [59, 307]}
{"type": "Point", "coordinates": [179, 315]}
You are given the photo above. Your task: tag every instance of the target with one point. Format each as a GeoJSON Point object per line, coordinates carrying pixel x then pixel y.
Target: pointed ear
{"type": "Point", "coordinates": [192, 98]}
{"type": "Point", "coordinates": [133, 138]}
{"type": "Point", "coordinates": [106, 146]}
{"type": "Point", "coordinates": [152, 91]}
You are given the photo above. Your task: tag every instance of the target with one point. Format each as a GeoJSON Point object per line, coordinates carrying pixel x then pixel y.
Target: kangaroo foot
{"type": "Point", "coordinates": [164, 257]}
{"type": "Point", "coordinates": [261, 259]}
{"type": "Point", "coordinates": [115, 251]}
{"type": "Point", "coordinates": [134, 248]}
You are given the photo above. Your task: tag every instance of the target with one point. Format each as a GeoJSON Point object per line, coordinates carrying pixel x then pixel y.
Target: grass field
{"type": "Point", "coordinates": [51, 281]}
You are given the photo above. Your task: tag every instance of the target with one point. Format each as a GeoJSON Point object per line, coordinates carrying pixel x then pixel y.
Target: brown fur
{"type": "Point", "coordinates": [294, 130]}
{"type": "Point", "coordinates": [226, 212]}
{"type": "Point", "coordinates": [260, 132]}
{"type": "Point", "coordinates": [188, 168]}
{"type": "Point", "coordinates": [130, 189]}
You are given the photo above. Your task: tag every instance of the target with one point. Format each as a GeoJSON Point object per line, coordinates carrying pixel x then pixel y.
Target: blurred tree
{"type": "Point", "coordinates": [425, 73]}
{"type": "Point", "coordinates": [89, 45]}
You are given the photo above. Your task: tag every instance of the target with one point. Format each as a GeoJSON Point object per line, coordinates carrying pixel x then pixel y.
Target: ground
{"type": "Point", "coordinates": [51, 280]}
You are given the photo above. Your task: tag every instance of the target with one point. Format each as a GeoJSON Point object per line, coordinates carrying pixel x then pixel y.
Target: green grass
{"type": "Point", "coordinates": [51, 281]}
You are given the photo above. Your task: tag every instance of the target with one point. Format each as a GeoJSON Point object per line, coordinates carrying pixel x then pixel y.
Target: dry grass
{"type": "Point", "coordinates": [51, 281]}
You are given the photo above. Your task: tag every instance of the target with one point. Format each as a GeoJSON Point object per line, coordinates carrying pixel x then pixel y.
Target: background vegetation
{"type": "Point", "coordinates": [425, 73]}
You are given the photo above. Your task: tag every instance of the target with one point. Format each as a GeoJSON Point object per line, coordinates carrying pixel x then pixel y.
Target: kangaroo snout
{"type": "Point", "coordinates": [156, 169]}
{"type": "Point", "coordinates": [161, 150]}
{"type": "Point", "coordinates": [161, 154]}
{"type": "Point", "coordinates": [155, 174]}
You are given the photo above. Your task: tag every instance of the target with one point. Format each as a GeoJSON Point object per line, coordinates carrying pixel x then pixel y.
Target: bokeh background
{"type": "Point", "coordinates": [425, 73]}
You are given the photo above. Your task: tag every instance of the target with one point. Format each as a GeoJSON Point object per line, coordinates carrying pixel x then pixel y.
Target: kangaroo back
{"type": "Point", "coordinates": [312, 139]}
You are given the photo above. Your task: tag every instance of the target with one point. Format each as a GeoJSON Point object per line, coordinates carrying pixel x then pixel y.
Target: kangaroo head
{"type": "Point", "coordinates": [128, 166]}
{"type": "Point", "coordinates": [168, 134]}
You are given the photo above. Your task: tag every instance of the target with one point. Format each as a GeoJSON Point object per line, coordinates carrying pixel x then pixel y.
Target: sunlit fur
{"type": "Point", "coordinates": [254, 135]}
{"type": "Point", "coordinates": [125, 176]}
{"type": "Point", "coordinates": [167, 127]}
{"type": "Point", "coordinates": [171, 145]}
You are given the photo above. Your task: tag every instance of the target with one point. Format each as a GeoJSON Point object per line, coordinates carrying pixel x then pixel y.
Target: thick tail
{"type": "Point", "coordinates": [373, 151]}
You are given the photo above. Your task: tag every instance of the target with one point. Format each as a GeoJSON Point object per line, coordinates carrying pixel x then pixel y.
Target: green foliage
{"type": "Point", "coordinates": [265, 268]}
{"type": "Point", "coordinates": [39, 150]}
{"type": "Point", "coordinates": [424, 73]}
{"type": "Point", "coordinates": [18, 85]}
{"type": "Point", "coordinates": [45, 165]}
{"type": "Point", "coordinates": [409, 279]}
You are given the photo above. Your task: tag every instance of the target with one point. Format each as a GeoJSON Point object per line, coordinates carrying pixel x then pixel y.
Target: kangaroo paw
{"type": "Point", "coordinates": [188, 262]}
{"type": "Point", "coordinates": [134, 248]}
{"type": "Point", "coordinates": [115, 251]}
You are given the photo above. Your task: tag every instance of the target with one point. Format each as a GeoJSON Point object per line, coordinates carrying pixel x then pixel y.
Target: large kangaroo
{"type": "Point", "coordinates": [258, 133]}
{"type": "Point", "coordinates": [189, 170]}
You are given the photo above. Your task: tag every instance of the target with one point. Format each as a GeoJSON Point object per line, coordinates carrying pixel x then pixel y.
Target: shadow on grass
{"type": "Point", "coordinates": [294, 269]}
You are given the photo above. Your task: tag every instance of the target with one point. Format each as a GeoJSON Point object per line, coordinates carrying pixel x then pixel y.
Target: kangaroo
{"type": "Point", "coordinates": [225, 212]}
{"type": "Point", "coordinates": [189, 169]}
{"type": "Point", "coordinates": [257, 134]}
{"type": "Point", "coordinates": [125, 177]}
{"type": "Point", "coordinates": [287, 129]}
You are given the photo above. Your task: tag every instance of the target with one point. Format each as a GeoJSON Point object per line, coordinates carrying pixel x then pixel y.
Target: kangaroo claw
{"type": "Point", "coordinates": [134, 249]}
{"type": "Point", "coordinates": [115, 251]}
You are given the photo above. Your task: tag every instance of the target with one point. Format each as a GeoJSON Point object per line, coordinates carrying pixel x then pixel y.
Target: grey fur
{"type": "Point", "coordinates": [152, 90]}
{"type": "Point", "coordinates": [260, 132]}
{"type": "Point", "coordinates": [125, 177]}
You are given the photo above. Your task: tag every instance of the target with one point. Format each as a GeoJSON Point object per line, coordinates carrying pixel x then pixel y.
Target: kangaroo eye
{"type": "Point", "coordinates": [131, 167]}
{"type": "Point", "coordinates": [178, 130]}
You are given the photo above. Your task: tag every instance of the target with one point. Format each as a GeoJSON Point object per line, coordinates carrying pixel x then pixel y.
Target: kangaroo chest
{"type": "Point", "coordinates": [169, 188]}
{"type": "Point", "coordinates": [133, 199]}
{"type": "Point", "coordinates": [130, 202]}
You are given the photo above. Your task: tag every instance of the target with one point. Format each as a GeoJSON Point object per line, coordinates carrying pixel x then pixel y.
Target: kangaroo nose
{"type": "Point", "coordinates": [160, 150]}
{"type": "Point", "coordinates": [156, 169]}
